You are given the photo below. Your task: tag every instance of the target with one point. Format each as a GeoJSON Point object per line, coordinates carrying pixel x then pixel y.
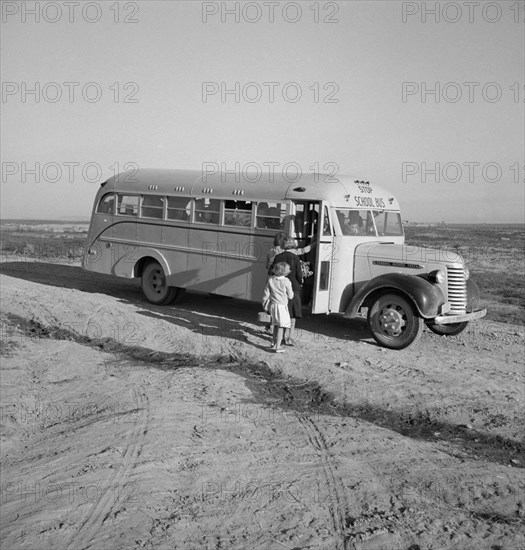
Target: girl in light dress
{"type": "Point", "coordinates": [279, 241]}
{"type": "Point", "coordinates": [276, 294]}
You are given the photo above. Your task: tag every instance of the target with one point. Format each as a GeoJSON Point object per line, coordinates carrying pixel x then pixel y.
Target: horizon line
{"type": "Point", "coordinates": [86, 219]}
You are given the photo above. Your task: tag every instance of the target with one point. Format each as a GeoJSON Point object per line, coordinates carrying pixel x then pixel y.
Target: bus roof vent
{"type": "Point", "coordinates": [153, 187]}
{"type": "Point", "coordinates": [179, 188]}
{"type": "Point", "coordinates": [207, 189]}
{"type": "Point", "coordinates": [238, 192]}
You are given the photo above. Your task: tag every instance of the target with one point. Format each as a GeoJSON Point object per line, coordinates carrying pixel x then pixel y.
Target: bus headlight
{"type": "Point", "coordinates": [467, 273]}
{"type": "Point", "coordinates": [437, 276]}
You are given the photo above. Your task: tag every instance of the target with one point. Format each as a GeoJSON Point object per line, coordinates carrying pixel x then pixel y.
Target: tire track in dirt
{"type": "Point", "coordinates": [337, 491]}
{"type": "Point", "coordinates": [102, 509]}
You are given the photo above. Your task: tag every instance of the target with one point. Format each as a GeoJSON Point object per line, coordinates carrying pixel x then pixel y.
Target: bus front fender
{"type": "Point", "coordinates": [426, 297]}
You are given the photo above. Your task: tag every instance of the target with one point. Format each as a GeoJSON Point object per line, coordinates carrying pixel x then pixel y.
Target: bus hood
{"type": "Point", "coordinates": [375, 259]}
{"type": "Point", "coordinates": [407, 256]}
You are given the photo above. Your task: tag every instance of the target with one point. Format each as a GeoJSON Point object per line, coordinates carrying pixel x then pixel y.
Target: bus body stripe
{"type": "Point", "coordinates": [221, 253]}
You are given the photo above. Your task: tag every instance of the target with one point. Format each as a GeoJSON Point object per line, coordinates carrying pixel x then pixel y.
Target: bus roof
{"type": "Point", "coordinates": [339, 191]}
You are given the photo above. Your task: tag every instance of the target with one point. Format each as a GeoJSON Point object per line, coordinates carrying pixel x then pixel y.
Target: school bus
{"type": "Point", "coordinates": [181, 230]}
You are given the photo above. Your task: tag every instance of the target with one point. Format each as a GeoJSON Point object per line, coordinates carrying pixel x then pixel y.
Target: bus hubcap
{"type": "Point", "coordinates": [392, 320]}
{"type": "Point", "coordinates": [157, 282]}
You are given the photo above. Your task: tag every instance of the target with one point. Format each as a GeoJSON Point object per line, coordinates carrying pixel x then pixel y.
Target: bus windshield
{"type": "Point", "coordinates": [369, 223]}
{"type": "Point", "coordinates": [388, 223]}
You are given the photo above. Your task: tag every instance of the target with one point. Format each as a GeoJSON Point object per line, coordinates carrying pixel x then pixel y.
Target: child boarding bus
{"type": "Point", "coordinates": [179, 229]}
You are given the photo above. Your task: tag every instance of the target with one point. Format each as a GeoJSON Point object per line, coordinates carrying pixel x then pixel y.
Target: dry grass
{"type": "Point", "coordinates": [495, 255]}
{"type": "Point", "coordinates": [46, 241]}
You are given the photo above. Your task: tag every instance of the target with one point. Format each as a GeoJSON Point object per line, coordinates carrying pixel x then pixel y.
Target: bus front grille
{"type": "Point", "coordinates": [457, 290]}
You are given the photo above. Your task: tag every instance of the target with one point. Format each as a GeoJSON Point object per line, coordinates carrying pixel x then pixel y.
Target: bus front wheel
{"type": "Point", "coordinates": [154, 286]}
{"type": "Point", "coordinates": [393, 322]}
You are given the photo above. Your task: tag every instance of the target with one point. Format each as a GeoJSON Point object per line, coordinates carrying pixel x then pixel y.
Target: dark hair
{"type": "Point", "coordinates": [280, 268]}
{"type": "Point", "coordinates": [278, 240]}
{"type": "Point", "coordinates": [290, 242]}
{"type": "Point", "coordinates": [354, 218]}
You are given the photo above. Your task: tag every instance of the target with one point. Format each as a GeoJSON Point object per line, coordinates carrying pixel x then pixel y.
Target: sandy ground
{"type": "Point", "coordinates": [126, 425]}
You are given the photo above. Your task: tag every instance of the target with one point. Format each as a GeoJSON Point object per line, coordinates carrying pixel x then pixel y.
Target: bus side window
{"type": "Point", "coordinates": [270, 215]}
{"type": "Point", "coordinates": [207, 211]}
{"type": "Point", "coordinates": [128, 205]}
{"type": "Point", "coordinates": [238, 213]}
{"type": "Point", "coordinates": [106, 204]}
{"type": "Point", "coordinates": [178, 208]}
{"type": "Point", "coordinates": [262, 213]}
{"type": "Point", "coordinates": [152, 206]}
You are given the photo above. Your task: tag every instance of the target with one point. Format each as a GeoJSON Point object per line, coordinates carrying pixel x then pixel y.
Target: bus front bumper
{"type": "Point", "coordinates": [450, 319]}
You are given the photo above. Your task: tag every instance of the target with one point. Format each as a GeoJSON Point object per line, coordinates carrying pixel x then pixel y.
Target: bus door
{"type": "Point", "coordinates": [324, 260]}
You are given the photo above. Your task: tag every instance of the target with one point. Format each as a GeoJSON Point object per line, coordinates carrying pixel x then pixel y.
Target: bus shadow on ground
{"type": "Point", "coordinates": [207, 318]}
{"type": "Point", "coordinates": [73, 277]}
{"type": "Point", "coordinates": [208, 315]}
{"type": "Point", "coordinates": [226, 310]}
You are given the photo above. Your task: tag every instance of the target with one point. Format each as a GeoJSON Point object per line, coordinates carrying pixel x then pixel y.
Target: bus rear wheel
{"type": "Point", "coordinates": [393, 322]}
{"type": "Point", "coordinates": [448, 330]}
{"type": "Point", "coordinates": [154, 286]}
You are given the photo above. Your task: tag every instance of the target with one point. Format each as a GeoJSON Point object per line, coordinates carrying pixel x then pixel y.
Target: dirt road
{"type": "Point", "coordinates": [126, 425]}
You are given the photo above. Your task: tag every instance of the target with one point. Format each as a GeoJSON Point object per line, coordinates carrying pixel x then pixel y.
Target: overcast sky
{"type": "Point", "coordinates": [90, 88]}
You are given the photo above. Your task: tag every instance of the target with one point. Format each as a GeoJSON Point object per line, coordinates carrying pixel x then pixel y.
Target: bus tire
{"type": "Point", "coordinates": [393, 321]}
{"type": "Point", "coordinates": [154, 287]}
{"type": "Point", "coordinates": [448, 330]}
